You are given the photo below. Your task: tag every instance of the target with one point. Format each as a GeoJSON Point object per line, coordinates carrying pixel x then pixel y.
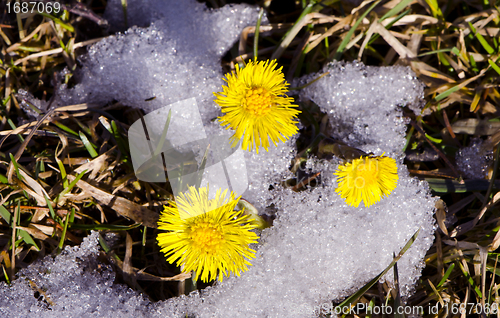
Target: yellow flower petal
{"type": "Point", "coordinates": [256, 106]}
{"type": "Point", "coordinates": [206, 236]}
{"type": "Point", "coordinates": [366, 179]}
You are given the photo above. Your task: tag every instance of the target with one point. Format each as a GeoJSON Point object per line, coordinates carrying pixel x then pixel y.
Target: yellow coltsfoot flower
{"type": "Point", "coordinates": [366, 179]}
{"type": "Point", "coordinates": [256, 106]}
{"type": "Point", "coordinates": [206, 236]}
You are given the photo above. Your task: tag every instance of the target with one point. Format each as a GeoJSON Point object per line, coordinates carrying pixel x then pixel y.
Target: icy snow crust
{"type": "Point", "coordinates": [318, 250]}
{"type": "Point", "coordinates": [74, 284]}
{"type": "Point", "coordinates": [362, 103]}
{"type": "Point", "coordinates": [176, 58]}
{"type": "Point", "coordinates": [473, 161]}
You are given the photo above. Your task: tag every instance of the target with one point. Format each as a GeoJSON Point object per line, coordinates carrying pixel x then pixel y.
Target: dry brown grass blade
{"type": "Point", "coordinates": [149, 277]}
{"type": "Point", "coordinates": [24, 144]}
{"type": "Point", "coordinates": [141, 275]}
{"type": "Point", "coordinates": [421, 68]}
{"type": "Point", "coordinates": [41, 292]}
{"type": "Point", "coordinates": [40, 200]}
{"type": "Point", "coordinates": [36, 233]}
{"type": "Point", "coordinates": [291, 36]}
{"type": "Point", "coordinates": [305, 182]}
{"type": "Point", "coordinates": [412, 19]}
{"type": "Point", "coordinates": [369, 33]}
{"type": "Point", "coordinates": [432, 173]}
{"type": "Point", "coordinates": [402, 50]}
{"type": "Point", "coordinates": [47, 230]}
{"type": "Point", "coordinates": [463, 228]}
{"type": "Point", "coordinates": [462, 245]}
{"type": "Point", "coordinates": [33, 184]}
{"type": "Point", "coordinates": [474, 126]}
{"type": "Point", "coordinates": [439, 254]}
{"type": "Point", "coordinates": [441, 215]}
{"type": "Point", "coordinates": [483, 257]}
{"type": "Point", "coordinates": [121, 205]}
{"type": "Point", "coordinates": [96, 165]}
{"type": "Point", "coordinates": [18, 130]}
{"type": "Point", "coordinates": [495, 243]}
{"type": "Point", "coordinates": [126, 265]}
{"type": "Point", "coordinates": [55, 51]}
{"type": "Point", "coordinates": [337, 27]}
{"type": "Point", "coordinates": [242, 46]}
{"type": "Point", "coordinates": [13, 240]}
{"type": "Point", "coordinates": [127, 261]}
{"type": "Point", "coordinates": [15, 46]}
{"type": "Point", "coordinates": [4, 199]}
{"type": "Point", "coordinates": [450, 130]}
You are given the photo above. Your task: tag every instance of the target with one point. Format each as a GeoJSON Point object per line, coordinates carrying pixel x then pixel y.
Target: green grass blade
{"type": "Point", "coordinates": [106, 247]}
{"type": "Point", "coordinates": [447, 92]}
{"type": "Point", "coordinates": [16, 167]}
{"type": "Point", "coordinates": [66, 128]}
{"type": "Point", "coordinates": [64, 175]}
{"type": "Point", "coordinates": [397, 9]}
{"type": "Point", "coordinates": [369, 308]}
{"type": "Point", "coordinates": [88, 145]}
{"type": "Point", "coordinates": [494, 66]}
{"type": "Point", "coordinates": [388, 26]}
{"type": "Point", "coordinates": [5, 214]}
{"type": "Point", "coordinates": [67, 26]}
{"type": "Point", "coordinates": [6, 276]}
{"type": "Point", "coordinates": [256, 35]}
{"type": "Point", "coordinates": [63, 236]}
{"type": "Point", "coordinates": [455, 51]}
{"type": "Point", "coordinates": [353, 298]}
{"type": "Point", "coordinates": [408, 138]}
{"type": "Point", "coordinates": [103, 227]}
{"type": "Point", "coordinates": [436, 11]}
{"type": "Point", "coordinates": [451, 186]}
{"type": "Point", "coordinates": [471, 281]}
{"type": "Point", "coordinates": [71, 185]}
{"type": "Point", "coordinates": [27, 238]}
{"type": "Point", "coordinates": [397, 300]}
{"type": "Point", "coordinates": [435, 52]}
{"type": "Point", "coordinates": [13, 126]}
{"type": "Point", "coordinates": [482, 40]}
{"type": "Point", "coordinates": [122, 145]}
{"type": "Point", "coordinates": [290, 35]}
{"type": "Point", "coordinates": [434, 140]}
{"type": "Point", "coordinates": [348, 37]}
{"type": "Point", "coordinates": [125, 15]}
{"type": "Point", "coordinates": [51, 210]}
{"type": "Point", "coordinates": [446, 275]}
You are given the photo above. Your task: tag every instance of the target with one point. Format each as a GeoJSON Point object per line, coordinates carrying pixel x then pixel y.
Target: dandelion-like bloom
{"type": "Point", "coordinates": [367, 178]}
{"type": "Point", "coordinates": [206, 236]}
{"type": "Point", "coordinates": [256, 106]}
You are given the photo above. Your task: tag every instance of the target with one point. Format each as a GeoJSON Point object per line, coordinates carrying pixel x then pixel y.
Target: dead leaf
{"type": "Point", "coordinates": [121, 205]}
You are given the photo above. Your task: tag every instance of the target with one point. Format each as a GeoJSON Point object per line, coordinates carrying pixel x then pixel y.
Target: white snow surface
{"type": "Point", "coordinates": [473, 161]}
{"type": "Point", "coordinates": [318, 250]}
{"type": "Point", "coordinates": [175, 58]}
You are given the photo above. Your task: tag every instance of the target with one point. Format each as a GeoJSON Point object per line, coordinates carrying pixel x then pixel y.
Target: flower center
{"type": "Point", "coordinates": [366, 173]}
{"type": "Point", "coordinates": [257, 101]}
{"type": "Point", "coordinates": [207, 236]}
